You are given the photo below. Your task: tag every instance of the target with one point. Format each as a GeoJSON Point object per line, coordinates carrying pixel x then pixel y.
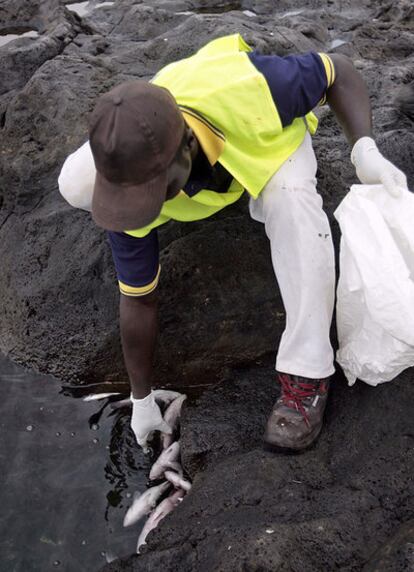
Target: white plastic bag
{"type": "Point", "coordinates": [77, 178]}
{"type": "Point", "coordinates": [375, 295]}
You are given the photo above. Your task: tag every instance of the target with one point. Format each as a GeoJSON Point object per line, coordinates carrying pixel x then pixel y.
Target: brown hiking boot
{"type": "Point", "coordinates": [297, 416]}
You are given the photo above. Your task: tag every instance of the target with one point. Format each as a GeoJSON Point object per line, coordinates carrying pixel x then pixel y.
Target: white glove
{"type": "Point", "coordinates": [146, 417]}
{"type": "Point", "coordinates": [372, 168]}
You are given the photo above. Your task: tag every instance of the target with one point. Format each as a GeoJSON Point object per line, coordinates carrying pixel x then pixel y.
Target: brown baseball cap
{"type": "Point", "coordinates": [135, 131]}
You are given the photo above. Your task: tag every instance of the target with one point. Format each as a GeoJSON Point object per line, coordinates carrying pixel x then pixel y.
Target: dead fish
{"type": "Point", "coordinates": [165, 507]}
{"type": "Point", "coordinates": [143, 503]}
{"type": "Point", "coordinates": [178, 481]}
{"type": "Point", "coordinates": [161, 464]}
{"type": "Point", "coordinates": [165, 396]}
{"type": "Point", "coordinates": [98, 396]}
{"type": "Point", "coordinates": [173, 412]}
{"type": "Point", "coordinates": [172, 417]}
{"type": "Point", "coordinates": [151, 523]}
{"type": "Point", "coordinates": [175, 466]}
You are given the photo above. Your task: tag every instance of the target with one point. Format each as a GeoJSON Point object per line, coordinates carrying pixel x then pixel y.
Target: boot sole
{"type": "Point", "coordinates": [291, 450]}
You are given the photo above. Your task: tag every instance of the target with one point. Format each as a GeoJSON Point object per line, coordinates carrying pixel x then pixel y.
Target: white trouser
{"type": "Point", "coordinates": [303, 261]}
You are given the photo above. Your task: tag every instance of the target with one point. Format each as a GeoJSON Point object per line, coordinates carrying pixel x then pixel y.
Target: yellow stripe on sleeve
{"type": "Point", "coordinates": [329, 68]}
{"type": "Point", "coordinates": [136, 291]}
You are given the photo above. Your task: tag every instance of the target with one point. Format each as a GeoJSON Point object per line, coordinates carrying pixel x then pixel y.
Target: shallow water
{"type": "Point", "coordinates": [80, 8]}
{"type": "Point", "coordinates": [337, 43]}
{"type": "Point", "coordinates": [84, 8]}
{"type": "Point", "coordinates": [67, 474]}
{"type": "Point", "coordinates": [9, 35]}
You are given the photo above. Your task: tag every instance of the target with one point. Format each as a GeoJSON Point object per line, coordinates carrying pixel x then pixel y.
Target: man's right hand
{"type": "Point", "coordinates": [146, 418]}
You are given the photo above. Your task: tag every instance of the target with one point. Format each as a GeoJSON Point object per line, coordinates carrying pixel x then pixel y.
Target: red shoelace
{"type": "Point", "coordinates": [294, 392]}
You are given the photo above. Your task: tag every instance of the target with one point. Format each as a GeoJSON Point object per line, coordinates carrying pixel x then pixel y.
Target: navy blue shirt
{"type": "Point", "coordinates": [136, 262]}
{"type": "Point", "coordinates": [298, 83]}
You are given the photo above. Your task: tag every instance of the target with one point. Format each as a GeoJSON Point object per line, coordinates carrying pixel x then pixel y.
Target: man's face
{"type": "Point", "coordinates": [180, 169]}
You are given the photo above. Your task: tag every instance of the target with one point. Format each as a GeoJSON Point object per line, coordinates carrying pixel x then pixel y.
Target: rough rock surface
{"type": "Point", "coordinates": [336, 506]}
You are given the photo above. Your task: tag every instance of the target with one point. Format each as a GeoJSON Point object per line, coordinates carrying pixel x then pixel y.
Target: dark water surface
{"type": "Point", "coordinates": [66, 477]}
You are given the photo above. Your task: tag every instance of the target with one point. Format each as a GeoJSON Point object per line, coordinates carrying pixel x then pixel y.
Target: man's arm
{"type": "Point", "coordinates": [137, 266]}
{"type": "Point", "coordinates": [349, 99]}
{"type": "Point", "coordinates": [138, 324]}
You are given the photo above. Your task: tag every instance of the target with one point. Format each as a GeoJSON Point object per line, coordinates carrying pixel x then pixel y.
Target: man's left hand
{"type": "Point", "coordinates": [372, 168]}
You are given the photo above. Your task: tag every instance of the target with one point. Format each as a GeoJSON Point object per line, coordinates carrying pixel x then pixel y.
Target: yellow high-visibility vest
{"type": "Point", "coordinates": [228, 104]}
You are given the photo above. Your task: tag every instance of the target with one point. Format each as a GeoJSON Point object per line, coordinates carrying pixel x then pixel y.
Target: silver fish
{"type": "Point", "coordinates": [165, 396]}
{"type": "Point", "coordinates": [172, 417]}
{"type": "Point", "coordinates": [175, 466]}
{"type": "Point", "coordinates": [151, 523]}
{"type": "Point", "coordinates": [178, 481]}
{"type": "Point", "coordinates": [161, 464]}
{"type": "Point", "coordinates": [98, 396]}
{"type": "Point", "coordinates": [165, 507]}
{"type": "Point", "coordinates": [143, 503]}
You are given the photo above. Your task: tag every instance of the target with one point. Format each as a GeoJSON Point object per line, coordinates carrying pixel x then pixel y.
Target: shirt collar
{"type": "Point", "coordinates": [211, 139]}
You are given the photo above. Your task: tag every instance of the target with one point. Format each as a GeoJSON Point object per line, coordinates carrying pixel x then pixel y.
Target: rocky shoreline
{"type": "Point", "coordinates": [344, 505]}
{"type": "Point", "coordinates": [339, 505]}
